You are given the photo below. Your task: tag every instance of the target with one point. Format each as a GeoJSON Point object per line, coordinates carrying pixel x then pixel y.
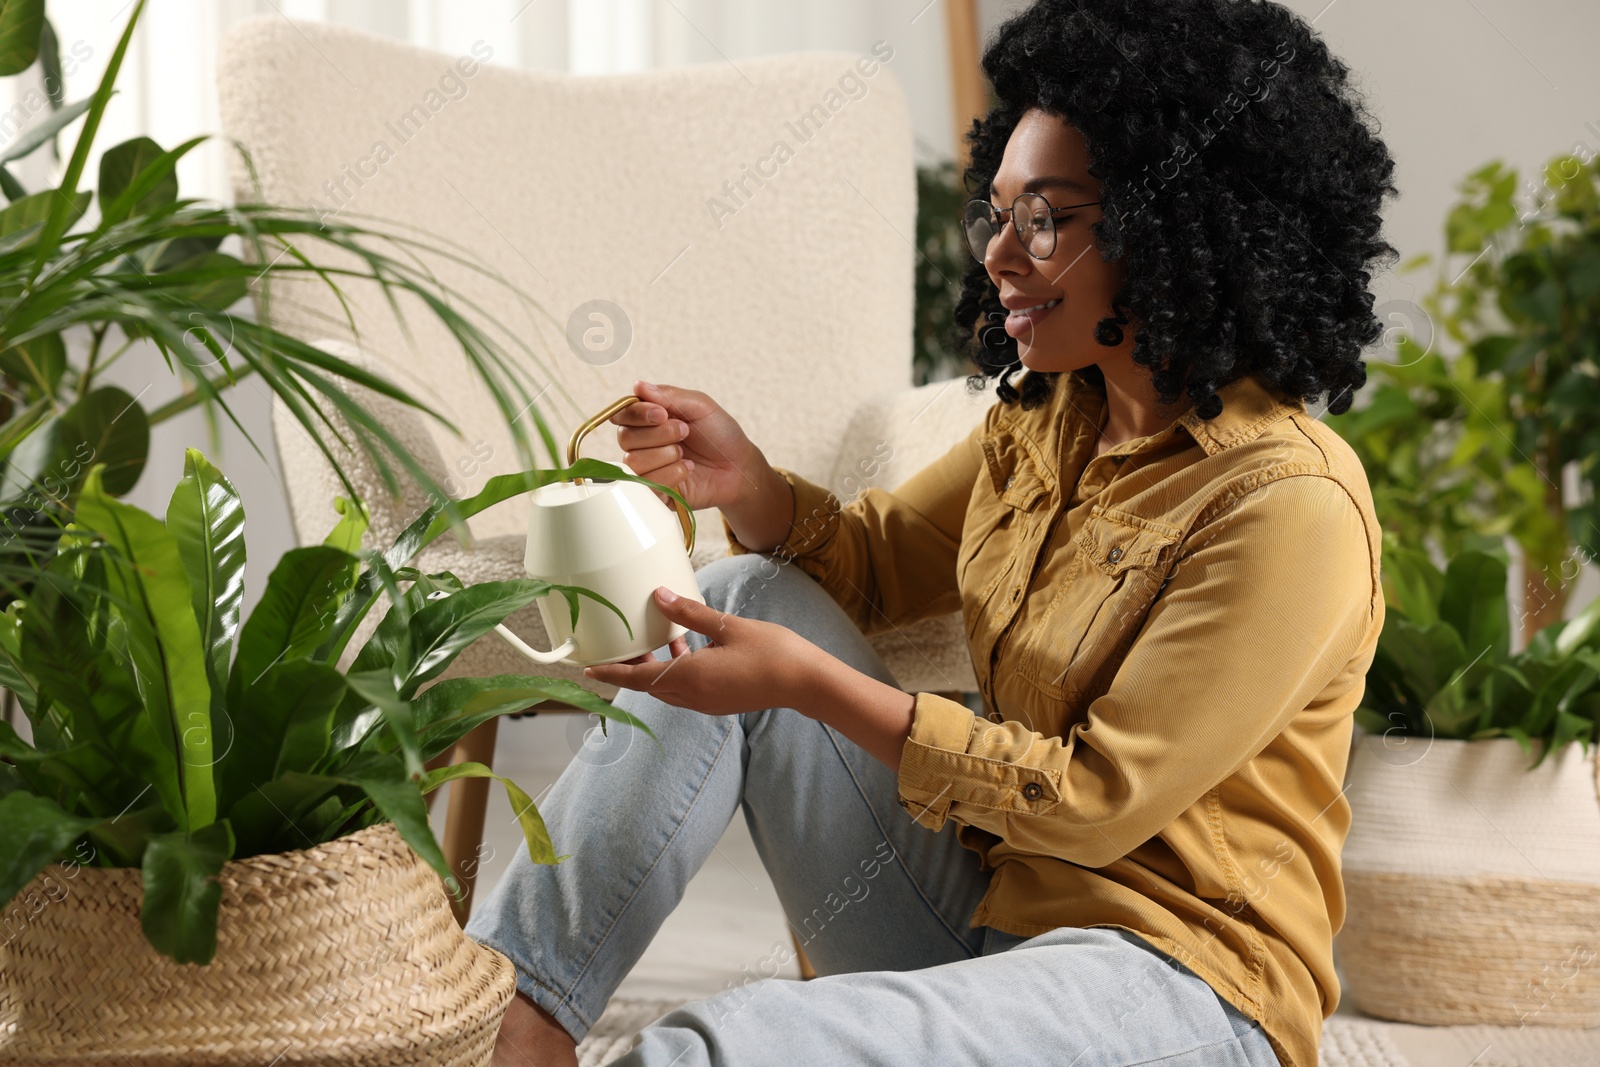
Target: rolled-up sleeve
{"type": "Point", "coordinates": [1267, 605]}
{"type": "Point", "coordinates": [887, 558]}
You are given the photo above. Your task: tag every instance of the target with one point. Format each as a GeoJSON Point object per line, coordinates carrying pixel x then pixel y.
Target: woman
{"type": "Point", "coordinates": [1169, 575]}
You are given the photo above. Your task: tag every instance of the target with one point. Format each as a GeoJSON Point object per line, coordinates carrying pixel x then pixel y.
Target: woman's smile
{"type": "Point", "coordinates": [1021, 322]}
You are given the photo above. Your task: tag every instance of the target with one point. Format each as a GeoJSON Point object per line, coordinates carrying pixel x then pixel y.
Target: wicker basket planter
{"type": "Point", "coordinates": [1472, 884]}
{"type": "Point", "coordinates": [344, 953]}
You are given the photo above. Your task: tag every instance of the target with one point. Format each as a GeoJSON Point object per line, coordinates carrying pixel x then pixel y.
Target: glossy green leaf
{"type": "Point", "coordinates": [296, 612]}
{"type": "Point", "coordinates": [206, 517]}
{"type": "Point", "coordinates": [9, 185]}
{"type": "Point", "coordinates": [21, 22]}
{"type": "Point", "coordinates": [120, 165]}
{"type": "Point", "coordinates": [1474, 602]}
{"type": "Point", "coordinates": [138, 177]}
{"type": "Point", "coordinates": [163, 636]}
{"type": "Point", "coordinates": [400, 799]}
{"type": "Point", "coordinates": [351, 528]}
{"type": "Point", "coordinates": [109, 427]}
{"type": "Point", "coordinates": [182, 893]}
{"type": "Point", "coordinates": [534, 832]}
{"type": "Point", "coordinates": [37, 833]}
{"type": "Point", "coordinates": [378, 689]}
{"type": "Point", "coordinates": [281, 724]}
{"type": "Point", "coordinates": [441, 628]}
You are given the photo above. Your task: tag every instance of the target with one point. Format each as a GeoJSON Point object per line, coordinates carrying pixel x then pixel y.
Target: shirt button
{"type": "Point", "coordinates": [1033, 791]}
{"type": "Point", "coordinates": [1120, 458]}
{"type": "Point", "coordinates": [1114, 555]}
{"type": "Point", "coordinates": [1009, 481]}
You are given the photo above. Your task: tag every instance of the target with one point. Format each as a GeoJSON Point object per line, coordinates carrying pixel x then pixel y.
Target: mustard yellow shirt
{"type": "Point", "coordinates": [1170, 640]}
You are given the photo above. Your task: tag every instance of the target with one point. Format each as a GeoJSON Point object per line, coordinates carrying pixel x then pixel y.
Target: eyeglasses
{"type": "Point", "coordinates": [1031, 216]}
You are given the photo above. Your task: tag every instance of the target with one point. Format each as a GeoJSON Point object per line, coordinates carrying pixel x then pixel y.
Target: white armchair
{"type": "Point", "coordinates": [752, 224]}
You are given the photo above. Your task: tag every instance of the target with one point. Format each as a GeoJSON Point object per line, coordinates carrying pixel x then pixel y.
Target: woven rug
{"type": "Point", "coordinates": [1346, 1041]}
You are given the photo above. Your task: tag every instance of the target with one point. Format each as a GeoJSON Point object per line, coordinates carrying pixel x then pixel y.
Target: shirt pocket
{"type": "Point", "coordinates": [1013, 483]}
{"type": "Point", "coordinates": [1120, 563]}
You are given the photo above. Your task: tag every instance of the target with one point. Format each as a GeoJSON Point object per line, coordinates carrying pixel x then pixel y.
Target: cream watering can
{"type": "Point", "coordinates": [613, 537]}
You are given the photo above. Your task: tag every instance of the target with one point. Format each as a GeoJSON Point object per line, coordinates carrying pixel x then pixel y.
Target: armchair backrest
{"type": "Point", "coordinates": [752, 223]}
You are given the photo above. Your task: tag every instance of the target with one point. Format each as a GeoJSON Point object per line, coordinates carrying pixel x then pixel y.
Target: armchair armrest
{"type": "Point", "coordinates": [891, 436]}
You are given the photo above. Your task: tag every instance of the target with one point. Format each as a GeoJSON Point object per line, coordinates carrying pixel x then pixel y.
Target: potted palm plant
{"type": "Point", "coordinates": [133, 271]}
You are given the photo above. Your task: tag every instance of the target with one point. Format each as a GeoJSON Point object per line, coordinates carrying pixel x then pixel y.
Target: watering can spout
{"type": "Point", "coordinates": [555, 655]}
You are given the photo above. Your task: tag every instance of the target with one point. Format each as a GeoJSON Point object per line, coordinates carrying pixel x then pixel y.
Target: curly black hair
{"type": "Point", "coordinates": [1241, 177]}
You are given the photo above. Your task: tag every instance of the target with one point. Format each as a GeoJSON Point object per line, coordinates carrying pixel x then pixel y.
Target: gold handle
{"type": "Point", "coordinates": [684, 518]}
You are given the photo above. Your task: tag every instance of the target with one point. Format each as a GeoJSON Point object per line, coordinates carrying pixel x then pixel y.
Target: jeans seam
{"type": "Point", "coordinates": [623, 910]}
{"type": "Point", "coordinates": [873, 812]}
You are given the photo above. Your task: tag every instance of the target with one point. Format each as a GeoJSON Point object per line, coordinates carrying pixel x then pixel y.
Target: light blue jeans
{"type": "Point", "coordinates": [880, 904]}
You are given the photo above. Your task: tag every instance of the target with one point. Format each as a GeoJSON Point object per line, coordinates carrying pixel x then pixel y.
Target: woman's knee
{"type": "Point", "coordinates": [753, 585]}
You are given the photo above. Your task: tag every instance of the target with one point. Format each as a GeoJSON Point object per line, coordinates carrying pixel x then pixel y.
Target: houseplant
{"type": "Point", "coordinates": [1472, 866]}
{"type": "Point", "coordinates": [134, 271]}
{"type": "Point", "coordinates": [172, 736]}
{"type": "Point", "coordinates": [1465, 451]}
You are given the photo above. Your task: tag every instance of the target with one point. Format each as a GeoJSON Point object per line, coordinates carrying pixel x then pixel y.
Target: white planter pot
{"type": "Point", "coordinates": [1472, 884]}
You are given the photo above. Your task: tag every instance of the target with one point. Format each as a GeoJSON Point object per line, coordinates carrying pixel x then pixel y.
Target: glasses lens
{"type": "Point", "coordinates": [1035, 228]}
{"type": "Point", "coordinates": [977, 225]}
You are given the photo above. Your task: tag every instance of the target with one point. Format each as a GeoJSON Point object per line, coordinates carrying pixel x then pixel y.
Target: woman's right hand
{"type": "Point", "coordinates": [684, 439]}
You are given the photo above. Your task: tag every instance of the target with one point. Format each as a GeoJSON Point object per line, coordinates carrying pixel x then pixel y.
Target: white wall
{"type": "Point", "coordinates": [1453, 83]}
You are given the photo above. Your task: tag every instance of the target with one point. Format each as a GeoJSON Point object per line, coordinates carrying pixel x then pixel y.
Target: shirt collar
{"type": "Point", "coordinates": [1248, 408]}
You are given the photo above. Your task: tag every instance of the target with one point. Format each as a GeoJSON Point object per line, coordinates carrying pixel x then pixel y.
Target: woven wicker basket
{"type": "Point", "coordinates": [344, 953]}
{"type": "Point", "coordinates": [1472, 884]}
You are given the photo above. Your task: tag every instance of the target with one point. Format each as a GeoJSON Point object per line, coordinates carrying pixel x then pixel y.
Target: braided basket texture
{"type": "Point", "coordinates": [342, 953]}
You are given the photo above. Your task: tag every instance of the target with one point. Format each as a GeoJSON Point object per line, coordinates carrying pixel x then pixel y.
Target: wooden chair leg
{"type": "Point", "coordinates": [807, 972]}
{"type": "Point", "coordinates": [463, 821]}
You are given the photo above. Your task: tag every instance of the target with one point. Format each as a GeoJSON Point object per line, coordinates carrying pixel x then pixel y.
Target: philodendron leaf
{"type": "Point", "coordinates": [534, 831]}
{"type": "Point", "coordinates": [21, 23]}
{"type": "Point", "coordinates": [145, 572]}
{"type": "Point", "coordinates": [206, 516]}
{"type": "Point", "coordinates": [181, 891]}
{"type": "Point", "coordinates": [143, 179]}
{"type": "Point", "coordinates": [108, 426]}
{"type": "Point", "coordinates": [37, 832]}
{"type": "Point", "coordinates": [120, 165]}
{"type": "Point", "coordinates": [296, 612]}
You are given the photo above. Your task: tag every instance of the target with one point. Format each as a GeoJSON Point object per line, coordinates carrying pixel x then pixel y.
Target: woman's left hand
{"type": "Point", "coordinates": [748, 665]}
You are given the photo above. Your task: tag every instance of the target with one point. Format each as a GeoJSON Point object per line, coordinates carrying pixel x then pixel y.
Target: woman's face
{"type": "Point", "coordinates": [1048, 156]}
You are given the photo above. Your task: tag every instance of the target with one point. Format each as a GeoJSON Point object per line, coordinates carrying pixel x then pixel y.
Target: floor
{"type": "Point", "coordinates": [730, 920]}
